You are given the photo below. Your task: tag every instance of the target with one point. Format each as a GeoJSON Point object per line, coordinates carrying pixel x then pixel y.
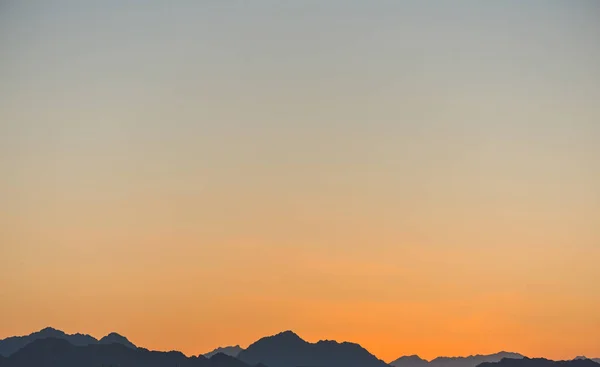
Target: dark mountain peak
{"type": "Point", "coordinates": [412, 357]}
{"type": "Point", "coordinates": [115, 338]}
{"type": "Point", "coordinates": [285, 339]}
{"type": "Point", "coordinates": [50, 332]}
{"type": "Point", "coordinates": [327, 342]}
{"type": "Point", "coordinates": [232, 351]}
{"type": "Point", "coordinates": [288, 334]}
{"type": "Point", "coordinates": [10, 345]}
{"type": "Point", "coordinates": [288, 349]}
{"type": "Point", "coordinates": [409, 361]}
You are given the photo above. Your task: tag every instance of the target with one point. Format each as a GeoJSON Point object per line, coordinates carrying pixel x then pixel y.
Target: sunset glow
{"type": "Point", "coordinates": [418, 179]}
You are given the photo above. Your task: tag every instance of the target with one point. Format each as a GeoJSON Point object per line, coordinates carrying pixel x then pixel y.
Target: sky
{"type": "Point", "coordinates": [417, 177]}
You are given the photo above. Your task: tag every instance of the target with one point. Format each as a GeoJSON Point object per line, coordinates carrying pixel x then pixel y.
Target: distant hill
{"type": "Point", "coordinates": [114, 338]}
{"type": "Point", "coordinates": [470, 361]}
{"type": "Point", "coordinates": [540, 362]}
{"type": "Point", "coordinates": [53, 352]}
{"type": "Point", "coordinates": [232, 351]}
{"type": "Point", "coordinates": [410, 361]}
{"type": "Point", "coordinates": [10, 345]}
{"type": "Point", "coordinates": [289, 350]}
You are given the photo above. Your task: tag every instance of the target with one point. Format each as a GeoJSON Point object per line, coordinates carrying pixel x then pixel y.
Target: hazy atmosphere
{"type": "Point", "coordinates": [417, 177]}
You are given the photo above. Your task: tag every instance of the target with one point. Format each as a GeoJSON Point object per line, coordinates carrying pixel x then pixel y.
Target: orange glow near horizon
{"type": "Point", "coordinates": [417, 179]}
{"type": "Point", "coordinates": [164, 309]}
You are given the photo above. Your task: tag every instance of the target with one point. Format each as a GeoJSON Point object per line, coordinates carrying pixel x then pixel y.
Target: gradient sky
{"type": "Point", "coordinates": [418, 177]}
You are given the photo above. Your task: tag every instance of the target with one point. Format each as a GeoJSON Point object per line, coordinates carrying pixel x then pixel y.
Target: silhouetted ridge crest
{"type": "Point", "coordinates": [55, 352]}
{"type": "Point", "coordinates": [287, 349]}
{"type": "Point", "coordinates": [114, 338]}
{"type": "Point", "coordinates": [232, 351]}
{"type": "Point", "coordinates": [12, 344]}
{"type": "Point", "coordinates": [410, 361]}
{"type": "Point", "coordinates": [540, 362]}
{"type": "Point", "coordinates": [469, 361]}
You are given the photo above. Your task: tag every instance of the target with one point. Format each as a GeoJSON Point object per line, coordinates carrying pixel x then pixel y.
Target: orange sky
{"type": "Point", "coordinates": [418, 180]}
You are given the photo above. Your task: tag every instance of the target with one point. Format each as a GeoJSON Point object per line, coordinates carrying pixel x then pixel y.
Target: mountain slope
{"type": "Point", "coordinates": [10, 345]}
{"type": "Point", "coordinates": [53, 352]}
{"type": "Point", "coordinates": [410, 361]}
{"type": "Point", "coordinates": [289, 350]}
{"type": "Point", "coordinates": [232, 351]}
{"type": "Point", "coordinates": [540, 362]}
{"type": "Point", "coordinates": [114, 338]}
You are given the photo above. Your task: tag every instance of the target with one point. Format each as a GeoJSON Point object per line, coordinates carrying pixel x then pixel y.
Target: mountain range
{"type": "Point", "coordinates": [232, 351]}
{"type": "Point", "coordinates": [53, 348]}
{"type": "Point", "coordinates": [12, 344]}
{"type": "Point", "coordinates": [540, 362]}
{"type": "Point", "coordinates": [470, 361]}
{"type": "Point", "coordinates": [288, 349]}
{"type": "Point", "coordinates": [54, 352]}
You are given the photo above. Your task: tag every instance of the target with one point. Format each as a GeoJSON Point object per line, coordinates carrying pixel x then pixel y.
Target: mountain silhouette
{"type": "Point", "coordinates": [53, 348]}
{"type": "Point", "coordinates": [540, 362]}
{"type": "Point", "coordinates": [10, 345]}
{"type": "Point", "coordinates": [113, 338]}
{"type": "Point", "coordinates": [232, 351]}
{"type": "Point", "coordinates": [53, 352]}
{"type": "Point", "coordinates": [410, 361]}
{"type": "Point", "coordinates": [289, 350]}
{"type": "Point", "coordinates": [470, 361]}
